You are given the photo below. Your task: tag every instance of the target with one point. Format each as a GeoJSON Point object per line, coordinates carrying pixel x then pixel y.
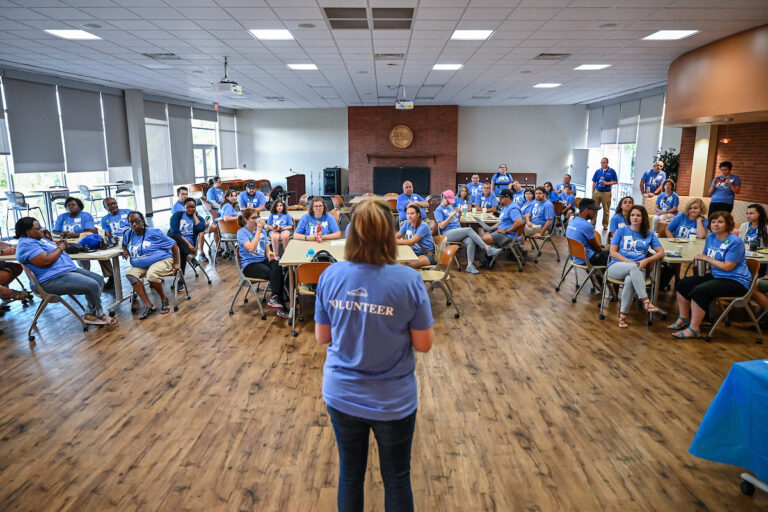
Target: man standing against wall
{"type": "Point", "coordinates": [602, 181]}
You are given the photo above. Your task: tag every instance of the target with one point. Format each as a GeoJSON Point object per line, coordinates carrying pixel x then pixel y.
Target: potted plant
{"type": "Point", "coordinates": [671, 159]}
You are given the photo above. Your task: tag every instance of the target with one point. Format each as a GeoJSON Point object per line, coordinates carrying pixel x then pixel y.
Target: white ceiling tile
{"type": "Point", "coordinates": [421, 25]}
{"type": "Point", "coordinates": [445, 13]}
{"type": "Point", "coordinates": [299, 13]}
{"type": "Point", "coordinates": [486, 14]}
{"type": "Point", "coordinates": [533, 13]}
{"type": "Point", "coordinates": [176, 25]}
{"type": "Point", "coordinates": [249, 13]}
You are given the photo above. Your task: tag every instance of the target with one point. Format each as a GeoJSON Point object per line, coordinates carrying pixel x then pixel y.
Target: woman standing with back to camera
{"type": "Point", "coordinates": [373, 313]}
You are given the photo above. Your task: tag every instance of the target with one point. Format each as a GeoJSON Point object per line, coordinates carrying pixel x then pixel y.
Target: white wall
{"type": "Point", "coordinates": [270, 142]}
{"type": "Point", "coordinates": [528, 139]}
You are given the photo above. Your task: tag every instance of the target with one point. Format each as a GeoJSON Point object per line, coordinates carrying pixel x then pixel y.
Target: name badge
{"type": "Point", "coordinates": [409, 233]}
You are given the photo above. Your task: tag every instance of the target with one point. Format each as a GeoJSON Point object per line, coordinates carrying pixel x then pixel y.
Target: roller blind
{"type": "Point", "coordinates": [4, 146]}
{"type": "Point", "coordinates": [228, 141]}
{"type": "Point", "coordinates": [83, 130]}
{"type": "Point", "coordinates": [594, 127]}
{"type": "Point", "coordinates": [180, 126]}
{"type": "Point", "coordinates": [649, 131]}
{"type": "Point", "coordinates": [204, 115]}
{"type": "Point", "coordinates": [154, 110]}
{"type": "Point", "coordinates": [628, 117]}
{"type": "Point", "coordinates": [610, 127]}
{"type": "Point", "coordinates": [33, 122]}
{"type": "Point", "coordinates": [227, 122]}
{"type": "Point", "coordinates": [116, 125]}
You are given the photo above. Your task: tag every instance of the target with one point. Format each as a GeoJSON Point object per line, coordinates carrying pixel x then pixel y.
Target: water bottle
{"type": "Point", "coordinates": [319, 231]}
{"type": "Point", "coordinates": [310, 254]}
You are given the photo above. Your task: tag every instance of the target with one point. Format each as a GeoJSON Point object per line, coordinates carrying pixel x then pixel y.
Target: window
{"type": "Point", "coordinates": [159, 156]}
{"type": "Point", "coordinates": [621, 157]}
{"type": "Point", "coordinates": [204, 132]}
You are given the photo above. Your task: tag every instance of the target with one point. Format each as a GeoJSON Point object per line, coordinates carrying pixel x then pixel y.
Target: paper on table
{"type": "Point", "coordinates": [338, 242]}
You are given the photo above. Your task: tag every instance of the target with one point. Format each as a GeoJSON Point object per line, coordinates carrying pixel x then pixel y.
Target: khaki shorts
{"type": "Point", "coordinates": [532, 230]}
{"type": "Point", "coordinates": [154, 273]}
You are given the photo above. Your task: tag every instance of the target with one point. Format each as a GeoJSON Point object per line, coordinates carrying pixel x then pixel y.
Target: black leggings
{"type": "Point", "coordinates": [720, 207]}
{"type": "Point", "coordinates": [184, 251]}
{"type": "Point", "coordinates": [268, 270]}
{"type": "Point", "coordinates": [704, 289]}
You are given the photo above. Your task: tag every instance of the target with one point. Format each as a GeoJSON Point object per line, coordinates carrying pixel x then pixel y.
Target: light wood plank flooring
{"type": "Point", "coordinates": [527, 402]}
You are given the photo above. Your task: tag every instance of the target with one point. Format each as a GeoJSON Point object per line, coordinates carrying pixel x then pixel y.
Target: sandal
{"type": "Point", "coordinates": [94, 320]}
{"type": "Point", "coordinates": [164, 307]}
{"type": "Point", "coordinates": [623, 321]}
{"type": "Point", "coordinates": [649, 307]}
{"type": "Point", "coordinates": [147, 312]}
{"type": "Point", "coordinates": [680, 323]}
{"type": "Point", "coordinates": [17, 295]}
{"type": "Point", "coordinates": [681, 334]}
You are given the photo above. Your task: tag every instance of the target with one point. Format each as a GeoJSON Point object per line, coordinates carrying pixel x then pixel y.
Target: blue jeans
{"type": "Point", "coordinates": [394, 440]}
{"type": "Point", "coordinates": [79, 282]}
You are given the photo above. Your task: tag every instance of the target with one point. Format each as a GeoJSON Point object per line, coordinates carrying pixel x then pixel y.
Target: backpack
{"type": "Point", "coordinates": [323, 256]}
{"type": "Point", "coordinates": [90, 242]}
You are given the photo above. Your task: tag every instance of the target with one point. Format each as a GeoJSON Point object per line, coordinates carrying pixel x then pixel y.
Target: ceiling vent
{"type": "Point", "coordinates": [388, 56]}
{"type": "Point", "coordinates": [162, 56]}
{"type": "Point", "coordinates": [481, 97]}
{"type": "Point", "coordinates": [552, 56]}
{"type": "Point", "coordinates": [347, 17]}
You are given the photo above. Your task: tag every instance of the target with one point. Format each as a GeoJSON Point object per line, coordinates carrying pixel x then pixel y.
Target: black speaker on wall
{"type": "Point", "coordinates": [335, 181]}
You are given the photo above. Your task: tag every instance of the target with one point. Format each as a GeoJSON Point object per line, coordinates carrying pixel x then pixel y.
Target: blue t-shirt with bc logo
{"type": "Point", "coordinates": [117, 223]}
{"type": "Point", "coordinates": [307, 224]}
{"type": "Point", "coordinates": [215, 195]}
{"type": "Point", "coordinates": [475, 190]}
{"type": "Point", "coordinates": [567, 199]}
{"type": "Point", "coordinates": [246, 201]}
{"type": "Point", "coordinates": [617, 221]}
{"type": "Point", "coordinates": [280, 220]}
{"type": "Point", "coordinates": [502, 181]}
{"type": "Point", "coordinates": [187, 228]}
{"type": "Point", "coordinates": [257, 256]}
{"type": "Point", "coordinates": [751, 236]}
{"type": "Point", "coordinates": [28, 248]}
{"type": "Point", "coordinates": [541, 212]}
{"type": "Point", "coordinates": [403, 201]}
{"type": "Point", "coordinates": [488, 201]}
{"type": "Point", "coordinates": [66, 224]}
{"type": "Point", "coordinates": [509, 215]}
{"type": "Point", "coordinates": [518, 198]}
{"type": "Point", "coordinates": [442, 213]}
{"type": "Point", "coordinates": [424, 232]}
{"type": "Point", "coordinates": [602, 176]}
{"type": "Point", "coordinates": [722, 192]}
{"type": "Point", "coordinates": [731, 249]}
{"type": "Point", "coordinates": [553, 196]}
{"type": "Point", "coordinates": [667, 201]}
{"type": "Point", "coordinates": [369, 364]}
{"type": "Point", "coordinates": [683, 227]}
{"type": "Point", "coordinates": [632, 244]}
{"type": "Point", "coordinates": [582, 231]}
{"type": "Point", "coordinates": [653, 180]}
{"type": "Point", "coordinates": [149, 248]}
{"type": "Point", "coordinates": [459, 202]}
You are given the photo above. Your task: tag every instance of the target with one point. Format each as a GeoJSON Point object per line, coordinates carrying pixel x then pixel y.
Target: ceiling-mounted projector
{"type": "Point", "coordinates": [227, 86]}
{"type": "Point", "coordinates": [403, 105]}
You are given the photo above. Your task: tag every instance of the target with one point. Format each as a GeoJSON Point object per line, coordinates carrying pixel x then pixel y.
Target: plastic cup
{"type": "Point", "coordinates": [485, 210]}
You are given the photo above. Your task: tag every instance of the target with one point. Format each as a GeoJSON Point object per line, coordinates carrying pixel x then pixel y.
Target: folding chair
{"type": "Point", "coordinates": [515, 247]}
{"type": "Point", "coordinates": [201, 202]}
{"type": "Point", "coordinates": [58, 197]}
{"type": "Point", "coordinates": [48, 298]}
{"type": "Point", "coordinates": [302, 202]}
{"type": "Point", "coordinates": [548, 238]}
{"type": "Point", "coordinates": [16, 203]}
{"type": "Point", "coordinates": [620, 283]}
{"type": "Point", "coordinates": [297, 207]}
{"type": "Point", "coordinates": [228, 237]}
{"type": "Point", "coordinates": [125, 189]}
{"type": "Point", "coordinates": [578, 251]}
{"type": "Point", "coordinates": [558, 225]}
{"type": "Point", "coordinates": [440, 274]}
{"type": "Point", "coordinates": [90, 197]}
{"type": "Point", "coordinates": [306, 274]}
{"type": "Point", "coordinates": [247, 283]}
{"type": "Point", "coordinates": [178, 277]}
{"type": "Point", "coordinates": [743, 302]}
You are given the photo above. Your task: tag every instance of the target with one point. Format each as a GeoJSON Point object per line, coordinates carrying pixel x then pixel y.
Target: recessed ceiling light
{"type": "Point", "coordinates": [471, 35]}
{"type": "Point", "coordinates": [73, 34]}
{"type": "Point", "coordinates": [547, 85]}
{"type": "Point", "coordinates": [525, 71]}
{"type": "Point", "coordinates": [670, 35]}
{"type": "Point", "coordinates": [591, 67]}
{"type": "Point", "coordinates": [303, 67]}
{"type": "Point", "coordinates": [271, 35]}
{"type": "Point", "coordinates": [306, 25]}
{"type": "Point", "coordinates": [362, 72]}
{"type": "Point", "coordinates": [608, 25]}
{"type": "Point", "coordinates": [447, 67]}
{"type": "Point", "coordinates": [91, 25]}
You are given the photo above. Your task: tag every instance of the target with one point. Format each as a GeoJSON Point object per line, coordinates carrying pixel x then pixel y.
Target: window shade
{"type": "Point", "coordinates": [204, 115]}
{"type": "Point", "coordinates": [160, 173]}
{"type": "Point", "coordinates": [180, 126]}
{"type": "Point", "coordinates": [116, 125]}
{"type": "Point", "coordinates": [83, 130]}
{"type": "Point", "coordinates": [594, 127]}
{"type": "Point", "coordinates": [628, 118]}
{"type": "Point", "coordinates": [4, 146]}
{"type": "Point", "coordinates": [33, 122]}
{"type": "Point", "coordinates": [154, 110]}
{"type": "Point", "coordinates": [227, 122]}
{"type": "Point", "coordinates": [228, 141]}
{"type": "Point", "coordinates": [610, 127]}
{"type": "Point", "coordinates": [649, 131]}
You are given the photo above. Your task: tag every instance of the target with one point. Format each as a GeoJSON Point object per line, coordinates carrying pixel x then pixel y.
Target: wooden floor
{"type": "Point", "coordinates": [527, 402]}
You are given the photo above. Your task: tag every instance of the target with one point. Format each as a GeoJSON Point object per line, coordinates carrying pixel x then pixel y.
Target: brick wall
{"type": "Point", "coordinates": [435, 132]}
{"type": "Point", "coordinates": [748, 151]}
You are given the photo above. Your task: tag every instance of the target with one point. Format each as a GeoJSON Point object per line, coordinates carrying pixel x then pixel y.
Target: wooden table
{"type": "Point", "coordinates": [360, 199]}
{"type": "Point", "coordinates": [488, 218]}
{"type": "Point", "coordinates": [296, 215]}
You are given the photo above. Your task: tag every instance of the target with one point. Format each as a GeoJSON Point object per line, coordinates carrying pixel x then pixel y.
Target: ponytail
{"type": "Point", "coordinates": [245, 214]}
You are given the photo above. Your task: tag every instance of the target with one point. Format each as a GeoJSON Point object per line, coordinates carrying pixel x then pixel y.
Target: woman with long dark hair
{"type": "Point", "coordinates": [416, 233]}
{"type": "Point", "coordinates": [755, 230]}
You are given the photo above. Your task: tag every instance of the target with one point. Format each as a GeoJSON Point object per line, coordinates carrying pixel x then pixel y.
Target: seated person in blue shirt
{"type": "Point", "coordinates": [463, 199]}
{"type": "Point", "coordinates": [729, 276]}
{"type": "Point", "coordinates": [755, 230]}
{"type": "Point", "coordinates": [501, 179]}
{"type": "Point", "coordinates": [447, 218]}
{"type": "Point", "coordinates": [540, 217]}
{"type": "Point", "coordinates": [510, 220]}
{"type": "Point", "coordinates": [280, 225]}
{"type": "Point", "coordinates": [582, 230]}
{"type": "Point", "coordinates": [566, 181]}
{"type": "Point", "coordinates": [252, 198]}
{"type": "Point", "coordinates": [629, 260]}
{"type": "Point", "coordinates": [653, 180]}
{"type": "Point", "coordinates": [183, 194]}
{"type": "Point", "coordinates": [567, 197]}
{"type": "Point", "coordinates": [408, 197]}
{"type": "Point", "coordinates": [116, 220]}
{"type": "Point", "coordinates": [373, 314]}
{"type": "Point", "coordinates": [416, 233]}
{"type": "Point", "coordinates": [475, 187]}
{"type": "Point", "coordinates": [8, 272]}
{"type": "Point", "coordinates": [56, 272]}
{"type": "Point", "coordinates": [229, 209]}
{"type": "Point", "coordinates": [153, 255]}
{"type": "Point", "coordinates": [213, 201]}
{"type": "Point", "coordinates": [550, 191]}
{"type": "Point", "coordinates": [691, 221]}
{"type": "Point", "coordinates": [666, 204]}
{"type": "Point", "coordinates": [186, 227]}
{"type": "Point", "coordinates": [486, 200]}
{"type": "Point", "coordinates": [528, 200]}
{"type": "Point", "coordinates": [621, 216]}
{"type": "Point", "coordinates": [317, 216]}
{"type": "Point", "coordinates": [257, 261]}
{"type": "Point", "coordinates": [518, 193]}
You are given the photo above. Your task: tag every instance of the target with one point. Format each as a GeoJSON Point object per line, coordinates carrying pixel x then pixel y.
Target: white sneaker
{"type": "Point", "coordinates": [493, 251]}
{"type": "Point", "coordinates": [471, 269]}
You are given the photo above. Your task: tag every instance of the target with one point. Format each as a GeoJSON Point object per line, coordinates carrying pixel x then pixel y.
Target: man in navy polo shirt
{"type": "Point", "coordinates": [602, 181]}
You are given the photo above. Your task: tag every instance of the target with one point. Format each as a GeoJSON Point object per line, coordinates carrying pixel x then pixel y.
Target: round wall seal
{"type": "Point", "coordinates": [401, 136]}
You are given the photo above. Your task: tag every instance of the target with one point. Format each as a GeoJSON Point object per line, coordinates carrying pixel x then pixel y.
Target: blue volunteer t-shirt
{"type": "Point", "coordinates": [66, 224]}
{"type": "Point", "coordinates": [567, 199]}
{"type": "Point", "coordinates": [518, 198]}
{"type": "Point", "coordinates": [509, 215]}
{"type": "Point", "coordinates": [502, 181]}
{"type": "Point", "coordinates": [178, 207]}
{"type": "Point", "coordinates": [116, 224]}
{"type": "Point", "coordinates": [731, 249]}
{"type": "Point", "coordinates": [475, 190]}
{"type": "Point", "coordinates": [541, 212]}
{"type": "Point", "coordinates": [369, 365]}
{"type": "Point", "coordinates": [459, 202]}
{"type": "Point", "coordinates": [683, 227]}
{"type": "Point", "coordinates": [602, 176]}
{"type": "Point", "coordinates": [442, 213]}
{"type": "Point", "coordinates": [653, 180]}
{"type": "Point", "coordinates": [553, 196]}
{"type": "Point", "coordinates": [751, 236]}
{"type": "Point", "coordinates": [246, 201]}
{"type": "Point", "coordinates": [28, 248]}
{"type": "Point", "coordinates": [560, 187]}
{"type": "Point", "coordinates": [632, 244]}
{"type": "Point", "coordinates": [280, 220]}
{"type": "Point", "coordinates": [526, 208]}
{"type": "Point", "coordinates": [187, 228]}
{"type": "Point", "coordinates": [215, 195]}
{"type": "Point", "coordinates": [257, 256]}
{"type": "Point", "coordinates": [485, 201]}
{"type": "Point", "coordinates": [582, 231]}
{"type": "Point", "coordinates": [403, 201]}
{"type": "Point", "coordinates": [307, 224]}
{"type": "Point", "coordinates": [667, 201]}
{"type": "Point", "coordinates": [150, 248]}
{"type": "Point", "coordinates": [228, 211]}
{"type": "Point", "coordinates": [424, 232]}
{"type": "Point", "coordinates": [617, 221]}
{"type": "Point", "coordinates": [722, 192]}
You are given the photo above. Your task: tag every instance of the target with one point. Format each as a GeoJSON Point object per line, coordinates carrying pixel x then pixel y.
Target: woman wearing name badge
{"type": "Point", "coordinates": [56, 272]}
{"type": "Point", "coordinates": [153, 255]}
{"type": "Point", "coordinates": [621, 217]}
{"type": "Point", "coordinates": [667, 204]}
{"type": "Point", "coordinates": [280, 224]}
{"type": "Point", "coordinates": [755, 230]}
{"type": "Point", "coordinates": [630, 259]}
{"type": "Point", "coordinates": [370, 385]}
{"type": "Point", "coordinates": [729, 276]}
{"type": "Point", "coordinates": [230, 208]}
{"type": "Point", "coordinates": [416, 233]}
{"type": "Point", "coordinates": [691, 221]}
{"type": "Point", "coordinates": [463, 199]}
{"type": "Point", "coordinates": [317, 216]}
{"type": "Point", "coordinates": [257, 261]}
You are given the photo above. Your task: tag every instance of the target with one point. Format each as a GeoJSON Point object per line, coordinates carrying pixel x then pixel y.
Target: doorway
{"type": "Point", "coordinates": [206, 162]}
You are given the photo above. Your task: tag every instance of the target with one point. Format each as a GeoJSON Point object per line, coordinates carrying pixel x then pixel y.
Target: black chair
{"type": "Point", "coordinates": [18, 203]}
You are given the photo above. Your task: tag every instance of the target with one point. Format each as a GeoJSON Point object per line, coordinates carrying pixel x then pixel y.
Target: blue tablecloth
{"type": "Point", "coordinates": [735, 428]}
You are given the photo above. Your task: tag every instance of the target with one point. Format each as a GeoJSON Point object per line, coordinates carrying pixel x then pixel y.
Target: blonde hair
{"type": "Point", "coordinates": [702, 206]}
{"type": "Point", "coordinates": [371, 234]}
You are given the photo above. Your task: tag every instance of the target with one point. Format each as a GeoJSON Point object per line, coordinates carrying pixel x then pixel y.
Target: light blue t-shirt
{"type": "Point", "coordinates": [369, 365]}
{"type": "Point", "coordinates": [187, 228]}
{"type": "Point", "coordinates": [280, 220]}
{"type": "Point", "coordinates": [178, 207]}
{"type": "Point", "coordinates": [722, 192]}
{"type": "Point", "coordinates": [632, 244]}
{"type": "Point", "coordinates": [683, 227]}
{"type": "Point", "coordinates": [553, 196]}
{"type": "Point", "coordinates": [28, 248]}
{"type": "Point", "coordinates": [228, 211]}
{"type": "Point", "coordinates": [508, 217]}
{"type": "Point", "coordinates": [485, 201]}
{"type": "Point", "coordinates": [518, 198]}
{"type": "Point", "coordinates": [582, 231]}
{"type": "Point", "coordinates": [246, 201]}
{"type": "Point", "coordinates": [150, 248]}
{"type": "Point", "coordinates": [459, 202]}
{"type": "Point", "coordinates": [526, 208]}
{"type": "Point", "coordinates": [502, 181]}
{"type": "Point", "coordinates": [617, 221]}
{"type": "Point", "coordinates": [560, 187]}
{"type": "Point", "coordinates": [667, 201]}
{"type": "Point", "coordinates": [307, 224]}
{"type": "Point", "coordinates": [601, 176]}
{"type": "Point", "coordinates": [541, 212]}
{"type": "Point", "coordinates": [116, 224]}
{"type": "Point", "coordinates": [475, 190]}
{"type": "Point", "coordinates": [424, 232]}
{"type": "Point", "coordinates": [653, 180]}
{"type": "Point", "coordinates": [751, 236]}
{"type": "Point", "coordinates": [403, 201]}
{"type": "Point", "coordinates": [731, 249]}
{"type": "Point", "coordinates": [257, 256]}
{"type": "Point", "coordinates": [567, 199]}
{"type": "Point", "coordinates": [66, 224]}
{"type": "Point", "coordinates": [442, 213]}
{"type": "Point", "coordinates": [215, 195]}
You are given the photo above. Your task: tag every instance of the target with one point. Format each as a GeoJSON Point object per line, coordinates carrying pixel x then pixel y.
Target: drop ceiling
{"type": "Point", "coordinates": [497, 71]}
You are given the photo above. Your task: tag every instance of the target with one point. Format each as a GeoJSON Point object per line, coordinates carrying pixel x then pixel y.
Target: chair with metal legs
{"type": "Point", "coordinates": [607, 280]}
{"type": "Point", "coordinates": [125, 189]}
{"type": "Point", "coordinates": [48, 298]}
{"type": "Point", "coordinates": [578, 251]}
{"type": "Point", "coordinates": [537, 244]}
{"type": "Point", "coordinates": [440, 275]}
{"type": "Point", "coordinates": [743, 302]}
{"type": "Point", "coordinates": [18, 203]}
{"type": "Point", "coordinates": [89, 197]}
{"type": "Point", "coordinates": [178, 277]}
{"type": "Point", "coordinates": [247, 283]}
{"type": "Point", "coordinates": [306, 274]}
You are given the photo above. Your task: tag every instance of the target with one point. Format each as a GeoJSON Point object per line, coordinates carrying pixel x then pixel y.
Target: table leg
{"type": "Point", "coordinates": [291, 286]}
{"type": "Point", "coordinates": [48, 210]}
{"type": "Point", "coordinates": [119, 298]}
{"type": "Point", "coordinates": [655, 288]}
